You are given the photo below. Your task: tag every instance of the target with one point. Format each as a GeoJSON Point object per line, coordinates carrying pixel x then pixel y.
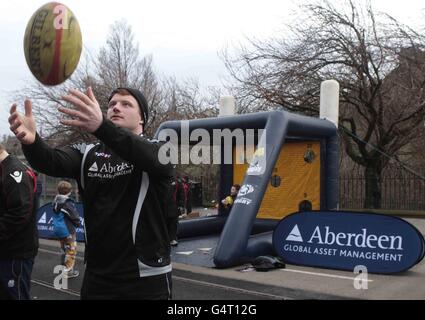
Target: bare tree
{"type": "Point", "coordinates": [187, 100]}
{"type": "Point", "coordinates": [118, 64]}
{"type": "Point", "coordinates": [378, 62]}
{"type": "Point", "coordinates": [46, 100]}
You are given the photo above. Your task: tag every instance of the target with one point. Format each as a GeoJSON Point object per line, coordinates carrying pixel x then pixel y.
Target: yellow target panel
{"type": "Point", "coordinates": [295, 179]}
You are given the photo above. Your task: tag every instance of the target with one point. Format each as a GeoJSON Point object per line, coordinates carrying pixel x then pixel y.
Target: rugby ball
{"type": "Point", "coordinates": [52, 43]}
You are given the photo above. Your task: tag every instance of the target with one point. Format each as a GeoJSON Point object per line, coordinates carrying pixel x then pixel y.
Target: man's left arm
{"type": "Point", "coordinates": [133, 148]}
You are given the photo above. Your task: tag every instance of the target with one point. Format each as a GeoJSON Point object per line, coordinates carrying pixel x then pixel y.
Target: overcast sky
{"type": "Point", "coordinates": [184, 36]}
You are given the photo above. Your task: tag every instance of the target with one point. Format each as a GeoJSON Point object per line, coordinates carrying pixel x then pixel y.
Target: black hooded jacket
{"type": "Point", "coordinates": [124, 188]}
{"type": "Point", "coordinates": [18, 229]}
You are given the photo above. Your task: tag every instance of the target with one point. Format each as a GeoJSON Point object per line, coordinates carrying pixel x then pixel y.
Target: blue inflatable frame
{"type": "Point", "coordinates": [243, 237]}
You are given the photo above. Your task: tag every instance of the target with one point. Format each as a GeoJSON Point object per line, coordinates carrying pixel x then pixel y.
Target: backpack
{"type": "Point", "coordinates": [59, 226]}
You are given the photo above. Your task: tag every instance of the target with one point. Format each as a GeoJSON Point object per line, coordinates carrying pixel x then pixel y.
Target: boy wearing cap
{"type": "Point", "coordinates": [122, 183]}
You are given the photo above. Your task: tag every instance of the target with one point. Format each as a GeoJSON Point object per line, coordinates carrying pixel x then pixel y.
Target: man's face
{"type": "Point", "coordinates": [124, 112]}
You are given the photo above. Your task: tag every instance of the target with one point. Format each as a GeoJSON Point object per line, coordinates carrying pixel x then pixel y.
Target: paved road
{"type": "Point", "coordinates": [187, 284]}
{"type": "Point", "coordinates": [294, 282]}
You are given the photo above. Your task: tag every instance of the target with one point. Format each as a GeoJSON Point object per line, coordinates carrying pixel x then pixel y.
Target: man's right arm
{"type": "Point", "coordinates": [57, 162]}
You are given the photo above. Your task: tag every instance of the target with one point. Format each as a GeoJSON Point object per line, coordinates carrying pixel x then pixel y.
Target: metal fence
{"type": "Point", "coordinates": [204, 189]}
{"type": "Point", "coordinates": [49, 188]}
{"type": "Point", "coordinates": [209, 189]}
{"type": "Point", "coordinates": [400, 190]}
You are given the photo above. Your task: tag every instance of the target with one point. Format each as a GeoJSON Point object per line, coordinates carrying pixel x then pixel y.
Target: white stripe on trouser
{"type": "Point", "coordinates": [148, 271]}
{"type": "Point", "coordinates": [168, 286]}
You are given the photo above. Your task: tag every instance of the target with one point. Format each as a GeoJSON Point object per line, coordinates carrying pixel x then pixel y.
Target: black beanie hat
{"type": "Point", "coordinates": [140, 98]}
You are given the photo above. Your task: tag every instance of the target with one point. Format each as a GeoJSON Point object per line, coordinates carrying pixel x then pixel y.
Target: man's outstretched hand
{"type": "Point", "coordinates": [87, 114]}
{"type": "Point", "coordinates": [23, 126]}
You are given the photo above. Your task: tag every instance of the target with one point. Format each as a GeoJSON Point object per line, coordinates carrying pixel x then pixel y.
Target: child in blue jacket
{"type": "Point", "coordinates": [65, 220]}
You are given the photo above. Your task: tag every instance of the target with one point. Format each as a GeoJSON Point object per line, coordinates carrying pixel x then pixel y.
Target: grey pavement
{"type": "Point", "coordinates": [243, 283]}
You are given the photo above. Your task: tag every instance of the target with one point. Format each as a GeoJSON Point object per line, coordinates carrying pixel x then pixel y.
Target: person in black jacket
{"type": "Point", "coordinates": [65, 220]}
{"type": "Point", "coordinates": [123, 184]}
{"type": "Point", "coordinates": [18, 230]}
{"type": "Point", "coordinates": [175, 209]}
{"type": "Point", "coordinates": [187, 191]}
